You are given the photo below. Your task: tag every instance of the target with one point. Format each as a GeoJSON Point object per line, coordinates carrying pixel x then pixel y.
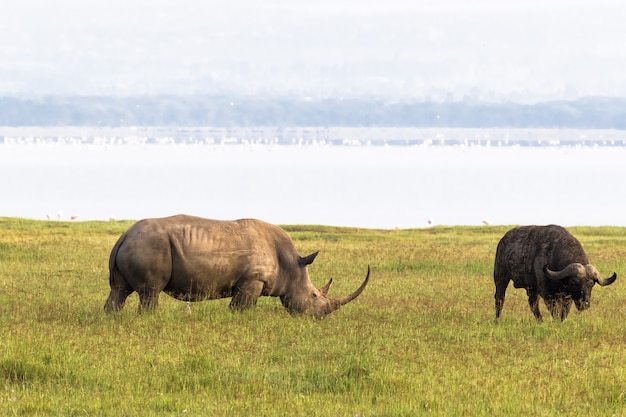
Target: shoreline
{"type": "Point", "coordinates": [320, 136]}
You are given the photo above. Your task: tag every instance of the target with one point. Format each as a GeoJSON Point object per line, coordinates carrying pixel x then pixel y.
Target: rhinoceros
{"type": "Point", "coordinates": [549, 262]}
{"type": "Point", "coordinates": [194, 259]}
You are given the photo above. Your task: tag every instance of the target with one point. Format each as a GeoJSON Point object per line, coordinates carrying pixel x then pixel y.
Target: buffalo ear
{"type": "Point", "coordinates": [307, 260]}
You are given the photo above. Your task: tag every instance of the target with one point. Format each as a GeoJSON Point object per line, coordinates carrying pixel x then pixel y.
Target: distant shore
{"type": "Point", "coordinates": [331, 136]}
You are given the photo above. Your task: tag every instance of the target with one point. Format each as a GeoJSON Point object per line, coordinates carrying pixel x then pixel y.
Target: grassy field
{"type": "Point", "coordinates": [421, 339]}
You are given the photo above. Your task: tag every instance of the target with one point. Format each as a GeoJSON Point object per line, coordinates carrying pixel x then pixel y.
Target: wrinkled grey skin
{"type": "Point", "coordinates": [195, 259]}
{"type": "Point", "coordinates": [549, 262]}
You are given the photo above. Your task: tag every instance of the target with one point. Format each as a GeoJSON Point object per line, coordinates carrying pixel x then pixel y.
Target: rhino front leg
{"type": "Point", "coordinates": [245, 294]}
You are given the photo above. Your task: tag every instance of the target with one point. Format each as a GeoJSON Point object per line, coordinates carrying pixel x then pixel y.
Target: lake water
{"type": "Point", "coordinates": [363, 186]}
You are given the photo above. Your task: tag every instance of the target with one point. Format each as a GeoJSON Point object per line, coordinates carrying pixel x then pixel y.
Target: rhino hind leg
{"type": "Point", "coordinates": [120, 290]}
{"type": "Point", "coordinates": [245, 294]}
{"type": "Point", "coordinates": [148, 299]}
{"type": "Point", "coordinates": [116, 300]}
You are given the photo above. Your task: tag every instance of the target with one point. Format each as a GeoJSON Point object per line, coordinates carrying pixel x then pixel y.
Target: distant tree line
{"type": "Point", "coordinates": [222, 111]}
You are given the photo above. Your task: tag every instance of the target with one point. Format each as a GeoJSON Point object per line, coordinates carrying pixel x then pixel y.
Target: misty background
{"type": "Point", "coordinates": [339, 57]}
{"type": "Point", "coordinates": [488, 102]}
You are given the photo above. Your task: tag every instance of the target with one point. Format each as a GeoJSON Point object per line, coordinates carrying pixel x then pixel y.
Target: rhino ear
{"type": "Point", "coordinates": [307, 260]}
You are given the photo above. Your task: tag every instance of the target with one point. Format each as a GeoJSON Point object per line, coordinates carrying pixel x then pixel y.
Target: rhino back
{"type": "Point", "coordinates": [190, 255]}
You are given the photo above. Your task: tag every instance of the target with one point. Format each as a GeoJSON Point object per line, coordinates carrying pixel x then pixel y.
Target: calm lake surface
{"type": "Point", "coordinates": [363, 186]}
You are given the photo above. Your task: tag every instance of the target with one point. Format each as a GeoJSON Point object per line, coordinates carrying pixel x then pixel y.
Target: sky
{"type": "Point", "coordinates": [529, 50]}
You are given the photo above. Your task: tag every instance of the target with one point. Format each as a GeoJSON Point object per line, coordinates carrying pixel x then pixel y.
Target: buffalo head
{"type": "Point", "coordinates": [579, 280]}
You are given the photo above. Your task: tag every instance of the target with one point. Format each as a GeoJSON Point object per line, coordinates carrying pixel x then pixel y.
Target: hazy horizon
{"type": "Point", "coordinates": [522, 51]}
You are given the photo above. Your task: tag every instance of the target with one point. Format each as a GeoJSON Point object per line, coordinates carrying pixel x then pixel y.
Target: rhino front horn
{"type": "Point", "coordinates": [345, 300]}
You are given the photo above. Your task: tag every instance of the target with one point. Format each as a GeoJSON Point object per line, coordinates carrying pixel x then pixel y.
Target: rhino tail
{"type": "Point", "coordinates": [113, 257]}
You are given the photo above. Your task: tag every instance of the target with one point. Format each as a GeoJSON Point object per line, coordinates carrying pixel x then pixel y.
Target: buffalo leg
{"type": "Point", "coordinates": [559, 308]}
{"type": "Point", "coordinates": [567, 304]}
{"type": "Point", "coordinates": [245, 294]}
{"type": "Point", "coordinates": [499, 296]}
{"type": "Point", "coordinates": [533, 302]}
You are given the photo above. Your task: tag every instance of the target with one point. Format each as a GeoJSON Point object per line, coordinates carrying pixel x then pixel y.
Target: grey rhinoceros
{"type": "Point", "coordinates": [194, 259]}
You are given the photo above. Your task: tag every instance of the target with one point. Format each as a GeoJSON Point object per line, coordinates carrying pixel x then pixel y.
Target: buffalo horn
{"type": "Point", "coordinates": [593, 272]}
{"type": "Point", "coordinates": [572, 270]}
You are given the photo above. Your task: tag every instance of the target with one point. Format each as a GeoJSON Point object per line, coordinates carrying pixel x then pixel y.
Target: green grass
{"type": "Point", "coordinates": [421, 339]}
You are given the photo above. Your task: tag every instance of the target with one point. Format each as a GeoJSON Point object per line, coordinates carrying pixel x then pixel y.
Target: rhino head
{"type": "Point", "coordinates": [302, 297]}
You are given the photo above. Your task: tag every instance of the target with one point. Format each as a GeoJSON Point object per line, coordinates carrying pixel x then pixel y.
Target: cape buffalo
{"type": "Point", "coordinates": [549, 262]}
{"type": "Point", "coordinates": [194, 259]}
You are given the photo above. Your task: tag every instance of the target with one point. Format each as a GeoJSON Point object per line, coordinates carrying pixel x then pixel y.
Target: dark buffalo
{"type": "Point", "coordinates": [549, 262]}
{"type": "Point", "coordinates": [194, 259]}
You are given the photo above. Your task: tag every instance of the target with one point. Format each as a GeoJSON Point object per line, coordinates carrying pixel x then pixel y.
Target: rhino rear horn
{"type": "Point", "coordinates": [325, 288]}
